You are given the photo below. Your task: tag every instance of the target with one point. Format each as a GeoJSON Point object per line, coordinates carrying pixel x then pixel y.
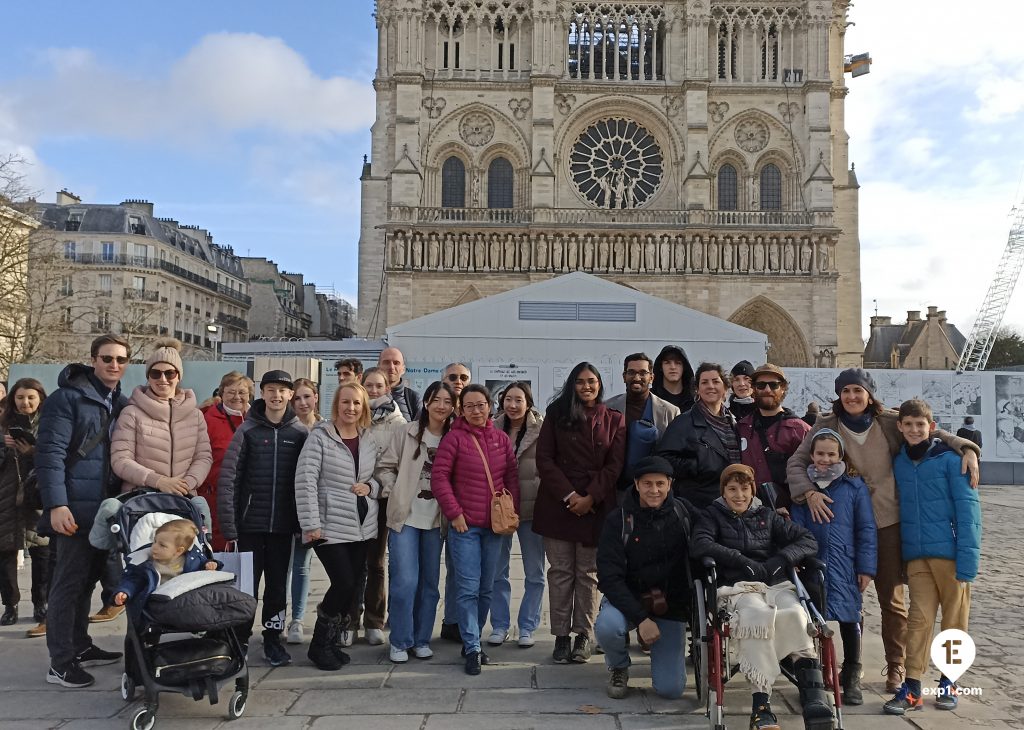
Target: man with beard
{"type": "Point", "coordinates": [647, 415]}
{"type": "Point", "coordinates": [770, 434]}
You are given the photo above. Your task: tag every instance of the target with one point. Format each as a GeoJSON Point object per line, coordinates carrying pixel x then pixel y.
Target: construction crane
{"type": "Point", "coordinates": [997, 300]}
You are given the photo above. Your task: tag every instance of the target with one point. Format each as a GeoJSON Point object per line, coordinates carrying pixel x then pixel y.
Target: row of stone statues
{"type": "Point", "coordinates": [450, 251]}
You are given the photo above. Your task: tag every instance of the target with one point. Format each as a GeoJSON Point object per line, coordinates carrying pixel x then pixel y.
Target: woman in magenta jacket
{"type": "Point", "coordinates": [459, 482]}
{"type": "Point", "coordinates": [580, 452]}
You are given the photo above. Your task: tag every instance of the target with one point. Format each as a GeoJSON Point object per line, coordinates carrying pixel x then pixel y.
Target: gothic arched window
{"type": "Point", "coordinates": [771, 188]}
{"type": "Point", "coordinates": [453, 183]}
{"type": "Point", "coordinates": [728, 188]}
{"type": "Point", "coordinates": [499, 183]}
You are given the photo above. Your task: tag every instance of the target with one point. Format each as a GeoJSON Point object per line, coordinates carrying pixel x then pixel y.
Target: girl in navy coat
{"type": "Point", "coordinates": [848, 545]}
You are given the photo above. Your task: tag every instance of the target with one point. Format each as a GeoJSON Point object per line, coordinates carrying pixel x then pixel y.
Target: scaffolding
{"type": "Point", "coordinates": [997, 300]}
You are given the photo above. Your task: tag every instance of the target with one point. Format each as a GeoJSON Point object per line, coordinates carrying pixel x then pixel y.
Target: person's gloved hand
{"type": "Point", "coordinates": [776, 568]}
{"type": "Point", "coordinates": [753, 570]}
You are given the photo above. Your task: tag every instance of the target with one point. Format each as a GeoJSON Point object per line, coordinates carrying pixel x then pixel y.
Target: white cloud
{"type": "Point", "coordinates": [228, 82]}
{"type": "Point", "coordinates": [1000, 98]}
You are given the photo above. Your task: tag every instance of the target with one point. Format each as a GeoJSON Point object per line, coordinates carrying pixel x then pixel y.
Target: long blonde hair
{"type": "Point", "coordinates": [364, 397]}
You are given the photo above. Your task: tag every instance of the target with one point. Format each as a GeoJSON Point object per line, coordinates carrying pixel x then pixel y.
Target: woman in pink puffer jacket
{"type": "Point", "coordinates": [460, 485]}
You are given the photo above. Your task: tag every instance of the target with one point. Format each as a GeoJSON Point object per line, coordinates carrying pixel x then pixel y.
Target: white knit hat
{"type": "Point", "coordinates": [167, 350]}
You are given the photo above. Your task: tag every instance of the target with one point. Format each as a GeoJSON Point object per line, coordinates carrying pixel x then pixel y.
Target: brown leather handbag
{"type": "Point", "coordinates": [504, 520]}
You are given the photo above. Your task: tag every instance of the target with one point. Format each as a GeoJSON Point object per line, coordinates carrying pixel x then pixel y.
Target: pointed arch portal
{"type": "Point", "coordinates": [787, 344]}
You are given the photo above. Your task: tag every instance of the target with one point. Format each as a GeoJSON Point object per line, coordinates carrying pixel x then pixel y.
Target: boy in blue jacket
{"type": "Point", "coordinates": [940, 527]}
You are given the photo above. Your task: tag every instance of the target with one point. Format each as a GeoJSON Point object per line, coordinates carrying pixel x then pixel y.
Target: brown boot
{"type": "Point", "coordinates": [894, 676]}
{"type": "Point", "coordinates": [37, 631]}
{"type": "Point", "coordinates": [107, 613]}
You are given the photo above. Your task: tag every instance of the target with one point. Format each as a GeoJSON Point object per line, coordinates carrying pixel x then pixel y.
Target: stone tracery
{"type": "Point", "coordinates": [616, 163]}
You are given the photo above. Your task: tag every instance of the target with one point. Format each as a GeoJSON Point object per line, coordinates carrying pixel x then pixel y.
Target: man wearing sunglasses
{"type": "Point", "coordinates": [456, 375]}
{"type": "Point", "coordinates": [73, 468]}
{"type": "Point", "coordinates": [770, 434]}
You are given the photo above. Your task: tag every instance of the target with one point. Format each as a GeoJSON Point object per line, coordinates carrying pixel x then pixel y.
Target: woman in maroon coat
{"type": "Point", "coordinates": [579, 456]}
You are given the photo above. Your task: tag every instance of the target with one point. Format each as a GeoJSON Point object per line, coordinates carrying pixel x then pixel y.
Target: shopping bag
{"type": "Point", "coordinates": [241, 565]}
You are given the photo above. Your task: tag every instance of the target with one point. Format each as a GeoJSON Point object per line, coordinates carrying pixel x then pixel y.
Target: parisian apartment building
{"type": "Point", "coordinates": [99, 268]}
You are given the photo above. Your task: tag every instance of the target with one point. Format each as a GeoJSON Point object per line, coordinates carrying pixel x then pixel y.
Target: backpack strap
{"type": "Point", "coordinates": [99, 437]}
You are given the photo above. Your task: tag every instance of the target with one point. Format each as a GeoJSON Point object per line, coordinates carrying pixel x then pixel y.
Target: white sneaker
{"type": "Point", "coordinates": [497, 638]}
{"type": "Point", "coordinates": [347, 637]}
{"type": "Point", "coordinates": [526, 639]}
{"type": "Point", "coordinates": [374, 637]}
{"type": "Point", "coordinates": [295, 632]}
{"type": "Point", "coordinates": [398, 656]}
{"type": "Point", "coordinates": [422, 652]}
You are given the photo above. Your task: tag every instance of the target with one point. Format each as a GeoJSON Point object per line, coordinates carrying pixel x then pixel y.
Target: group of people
{"type": "Point", "coordinates": [615, 497]}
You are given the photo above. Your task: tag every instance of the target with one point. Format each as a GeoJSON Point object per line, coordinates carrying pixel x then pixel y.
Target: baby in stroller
{"type": "Point", "coordinates": [753, 548]}
{"type": "Point", "coordinates": [183, 612]}
{"type": "Point", "coordinates": [174, 551]}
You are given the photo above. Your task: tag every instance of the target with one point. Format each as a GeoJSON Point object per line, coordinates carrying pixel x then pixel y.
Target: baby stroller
{"type": "Point", "coordinates": [183, 639]}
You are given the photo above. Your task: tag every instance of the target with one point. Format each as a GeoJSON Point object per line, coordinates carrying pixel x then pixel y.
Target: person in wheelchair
{"type": "Point", "coordinates": [642, 571]}
{"type": "Point", "coordinates": [753, 548]}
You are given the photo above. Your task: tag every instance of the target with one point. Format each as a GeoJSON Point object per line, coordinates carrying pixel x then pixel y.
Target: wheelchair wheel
{"type": "Point", "coordinates": [699, 643]}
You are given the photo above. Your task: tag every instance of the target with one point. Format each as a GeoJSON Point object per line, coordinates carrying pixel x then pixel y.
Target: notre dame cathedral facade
{"type": "Point", "coordinates": [692, 149]}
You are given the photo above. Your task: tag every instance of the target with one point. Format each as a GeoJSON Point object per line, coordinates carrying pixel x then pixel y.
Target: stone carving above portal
{"type": "Point", "coordinates": [788, 111]}
{"type": "Point", "coordinates": [717, 110]}
{"type": "Point", "coordinates": [752, 135]}
{"type": "Point", "coordinates": [616, 163]}
{"type": "Point", "coordinates": [564, 102]}
{"type": "Point", "coordinates": [434, 106]}
{"type": "Point", "coordinates": [476, 129]}
{"type": "Point", "coordinates": [520, 107]}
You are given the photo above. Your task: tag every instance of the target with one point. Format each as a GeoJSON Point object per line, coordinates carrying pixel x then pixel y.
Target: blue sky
{"type": "Point", "coordinates": [250, 119]}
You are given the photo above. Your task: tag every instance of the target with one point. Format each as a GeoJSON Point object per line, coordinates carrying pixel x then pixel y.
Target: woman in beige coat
{"type": "Point", "coordinates": [521, 421]}
{"type": "Point", "coordinates": [414, 524]}
{"type": "Point", "coordinates": [160, 440]}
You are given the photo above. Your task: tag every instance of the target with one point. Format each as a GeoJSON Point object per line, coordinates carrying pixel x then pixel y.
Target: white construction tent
{"type": "Point", "coordinates": [538, 332]}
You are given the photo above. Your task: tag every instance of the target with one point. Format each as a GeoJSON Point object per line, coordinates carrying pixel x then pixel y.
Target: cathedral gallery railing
{"type": "Point", "coordinates": [598, 216]}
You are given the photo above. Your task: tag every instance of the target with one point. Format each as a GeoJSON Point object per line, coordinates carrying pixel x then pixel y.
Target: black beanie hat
{"type": "Point", "coordinates": [743, 367]}
{"type": "Point", "coordinates": [855, 376]}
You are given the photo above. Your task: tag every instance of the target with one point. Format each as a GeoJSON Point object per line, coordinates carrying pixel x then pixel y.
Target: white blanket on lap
{"type": "Point", "coordinates": [768, 624]}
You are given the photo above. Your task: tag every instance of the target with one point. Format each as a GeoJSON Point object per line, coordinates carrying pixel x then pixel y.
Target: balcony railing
{"type": "Point", "coordinates": [601, 216]}
{"type": "Point", "coordinates": [232, 321]}
{"type": "Point", "coordinates": [141, 295]}
{"type": "Point", "coordinates": [144, 262]}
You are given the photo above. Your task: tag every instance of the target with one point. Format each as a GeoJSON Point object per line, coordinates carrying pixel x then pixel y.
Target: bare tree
{"type": "Point", "coordinates": [17, 227]}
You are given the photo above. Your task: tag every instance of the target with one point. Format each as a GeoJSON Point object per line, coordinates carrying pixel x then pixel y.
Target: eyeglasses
{"type": "Point", "coordinates": [168, 375]}
{"type": "Point", "coordinates": [474, 407]}
{"type": "Point", "coordinates": [637, 374]}
{"type": "Point", "coordinates": [458, 376]}
{"type": "Point", "coordinates": [589, 381]}
{"type": "Point", "coordinates": [766, 384]}
{"type": "Point", "coordinates": [121, 359]}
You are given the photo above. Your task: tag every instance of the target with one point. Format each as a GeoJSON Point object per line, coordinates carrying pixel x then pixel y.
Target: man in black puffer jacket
{"type": "Point", "coordinates": [751, 543]}
{"type": "Point", "coordinates": [256, 498]}
{"type": "Point", "coordinates": [641, 570]}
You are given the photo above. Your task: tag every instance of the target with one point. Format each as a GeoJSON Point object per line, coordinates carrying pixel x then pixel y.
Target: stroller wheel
{"type": "Point", "coordinates": [236, 705]}
{"type": "Point", "coordinates": [144, 719]}
{"type": "Point", "coordinates": [127, 687]}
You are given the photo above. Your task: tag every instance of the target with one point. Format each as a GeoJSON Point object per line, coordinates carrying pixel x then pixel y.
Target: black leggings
{"type": "Point", "coordinates": [271, 558]}
{"type": "Point", "coordinates": [344, 563]}
{"type": "Point", "coordinates": [850, 632]}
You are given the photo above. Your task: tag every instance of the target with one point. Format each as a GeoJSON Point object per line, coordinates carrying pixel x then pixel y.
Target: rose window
{"type": "Point", "coordinates": [616, 163]}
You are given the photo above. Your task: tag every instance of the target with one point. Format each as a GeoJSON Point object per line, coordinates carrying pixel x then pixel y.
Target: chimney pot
{"type": "Point", "coordinates": [913, 315]}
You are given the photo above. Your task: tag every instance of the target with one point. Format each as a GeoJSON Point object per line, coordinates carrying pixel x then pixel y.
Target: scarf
{"type": "Point", "coordinates": [381, 407]}
{"type": "Point", "coordinates": [857, 424]}
{"type": "Point", "coordinates": [230, 411]}
{"type": "Point", "coordinates": [918, 451]}
{"type": "Point", "coordinates": [722, 425]}
{"type": "Point", "coordinates": [826, 476]}
{"type": "Point", "coordinates": [166, 571]}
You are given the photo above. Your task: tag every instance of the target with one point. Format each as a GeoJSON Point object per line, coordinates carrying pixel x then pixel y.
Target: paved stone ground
{"type": "Point", "coordinates": [523, 688]}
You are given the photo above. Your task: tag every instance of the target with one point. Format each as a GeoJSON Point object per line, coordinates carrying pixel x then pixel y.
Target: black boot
{"type": "Point", "coordinates": [337, 647]}
{"type": "Point", "coordinates": [321, 646]}
{"type": "Point", "coordinates": [817, 712]}
{"type": "Point", "coordinates": [849, 678]}
{"type": "Point", "coordinates": [10, 616]}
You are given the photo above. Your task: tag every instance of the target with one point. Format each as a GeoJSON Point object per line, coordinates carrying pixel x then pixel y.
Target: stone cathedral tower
{"type": "Point", "coordinates": [691, 149]}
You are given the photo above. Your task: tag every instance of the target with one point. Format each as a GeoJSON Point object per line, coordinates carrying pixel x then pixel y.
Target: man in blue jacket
{"type": "Point", "coordinates": [73, 468]}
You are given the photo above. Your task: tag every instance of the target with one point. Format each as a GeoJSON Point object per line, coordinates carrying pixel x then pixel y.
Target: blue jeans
{"type": "Point", "coordinates": [668, 654]}
{"type": "Point", "coordinates": [451, 593]}
{"type": "Point", "coordinates": [475, 554]}
{"type": "Point", "coordinates": [414, 571]}
{"type": "Point", "coordinates": [301, 558]}
{"type": "Point", "coordinates": [532, 547]}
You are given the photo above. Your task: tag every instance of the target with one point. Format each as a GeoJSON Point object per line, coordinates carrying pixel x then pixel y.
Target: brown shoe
{"type": "Point", "coordinates": [894, 676]}
{"type": "Point", "coordinates": [36, 631]}
{"type": "Point", "coordinates": [107, 613]}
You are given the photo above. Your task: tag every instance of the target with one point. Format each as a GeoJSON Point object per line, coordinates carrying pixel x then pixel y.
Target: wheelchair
{"type": "Point", "coordinates": [713, 665]}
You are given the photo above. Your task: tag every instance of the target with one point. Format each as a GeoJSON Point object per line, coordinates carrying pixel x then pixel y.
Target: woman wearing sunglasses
{"type": "Point", "coordinates": [161, 440]}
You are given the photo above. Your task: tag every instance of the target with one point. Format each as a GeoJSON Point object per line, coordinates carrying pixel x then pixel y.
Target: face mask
{"type": "Point", "coordinates": [829, 474]}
